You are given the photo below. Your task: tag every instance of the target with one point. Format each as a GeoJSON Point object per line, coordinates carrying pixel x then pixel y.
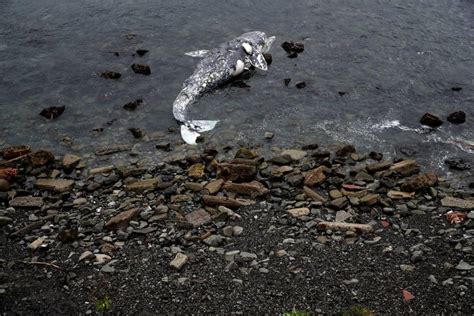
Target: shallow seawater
{"type": "Point", "coordinates": [394, 60]}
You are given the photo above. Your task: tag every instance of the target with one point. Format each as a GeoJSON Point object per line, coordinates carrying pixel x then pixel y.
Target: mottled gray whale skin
{"type": "Point", "coordinates": [217, 67]}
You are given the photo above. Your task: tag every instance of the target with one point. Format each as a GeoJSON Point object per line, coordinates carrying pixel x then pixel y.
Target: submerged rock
{"type": "Point", "coordinates": [142, 52]}
{"type": "Point", "coordinates": [141, 69]}
{"type": "Point", "coordinates": [131, 106]}
{"type": "Point", "coordinates": [292, 47]}
{"type": "Point", "coordinates": [457, 164]}
{"type": "Point", "coordinates": [110, 75]}
{"type": "Point", "coordinates": [300, 85]}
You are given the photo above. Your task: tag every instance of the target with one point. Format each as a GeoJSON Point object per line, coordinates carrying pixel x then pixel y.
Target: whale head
{"type": "Point", "coordinates": [255, 44]}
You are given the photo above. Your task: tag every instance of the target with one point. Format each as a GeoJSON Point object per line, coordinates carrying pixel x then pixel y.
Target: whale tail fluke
{"type": "Point", "coordinates": [191, 130]}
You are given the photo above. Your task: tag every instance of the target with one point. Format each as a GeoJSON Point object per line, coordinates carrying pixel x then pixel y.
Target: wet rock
{"type": "Point", "coordinates": [345, 151]}
{"type": "Point", "coordinates": [133, 105]}
{"type": "Point", "coordinates": [458, 117]}
{"type": "Point", "coordinates": [299, 212]}
{"type": "Point", "coordinates": [287, 81]}
{"type": "Point", "coordinates": [375, 156]}
{"type": "Point", "coordinates": [457, 203]}
{"type": "Point", "coordinates": [110, 75]}
{"type": "Point", "coordinates": [122, 219]}
{"type": "Point", "coordinates": [457, 89]}
{"type": "Point", "coordinates": [56, 185]}
{"type": "Point", "coordinates": [27, 202]}
{"type": "Point", "coordinates": [143, 185]}
{"type": "Point", "coordinates": [41, 158]}
{"type": "Point", "coordinates": [457, 164]}
{"type": "Point", "coordinates": [268, 135]}
{"type": "Point", "coordinates": [280, 171]}
{"type": "Point", "coordinates": [52, 112]}
{"type": "Point", "coordinates": [245, 153]}
{"type": "Point", "coordinates": [179, 261]}
{"type": "Point", "coordinates": [12, 152]}
{"type": "Point", "coordinates": [431, 120]}
{"type": "Point", "coordinates": [419, 182]}
{"type": "Point", "coordinates": [315, 176]}
{"type": "Point", "coordinates": [300, 85]}
{"type": "Point", "coordinates": [253, 189]}
{"type": "Point", "coordinates": [292, 47]}
{"type": "Point", "coordinates": [369, 199]}
{"type": "Point", "coordinates": [198, 218]}
{"type": "Point", "coordinates": [281, 159]}
{"type": "Point", "coordinates": [136, 132]}
{"type": "Point", "coordinates": [142, 52]}
{"type": "Point", "coordinates": [70, 161]}
{"type": "Point", "coordinates": [4, 185]}
{"type": "Point", "coordinates": [141, 69]}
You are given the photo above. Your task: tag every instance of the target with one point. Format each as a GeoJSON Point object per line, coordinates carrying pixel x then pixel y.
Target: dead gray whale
{"type": "Point", "coordinates": [217, 67]}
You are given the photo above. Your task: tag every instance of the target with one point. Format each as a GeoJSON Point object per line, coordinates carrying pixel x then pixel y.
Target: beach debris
{"type": "Point", "coordinates": [455, 217]}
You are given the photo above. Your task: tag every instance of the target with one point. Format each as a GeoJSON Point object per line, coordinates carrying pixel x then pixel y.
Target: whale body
{"type": "Point", "coordinates": [217, 67]}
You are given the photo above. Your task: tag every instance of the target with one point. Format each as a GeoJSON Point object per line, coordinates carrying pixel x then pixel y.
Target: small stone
{"type": "Point", "coordinates": [313, 195]}
{"type": "Point", "coordinates": [462, 265]}
{"type": "Point", "coordinates": [198, 217]}
{"type": "Point", "coordinates": [143, 185]}
{"type": "Point", "coordinates": [263, 270]}
{"type": "Point", "coordinates": [214, 186]}
{"type": "Point", "coordinates": [227, 231]}
{"type": "Point", "coordinates": [457, 203]}
{"type": "Point", "coordinates": [214, 240]}
{"type": "Point", "coordinates": [432, 278]}
{"type": "Point", "coordinates": [56, 185]}
{"type": "Point", "coordinates": [406, 167]}
{"type": "Point", "coordinates": [179, 261]}
{"type": "Point", "coordinates": [419, 182]}
{"type": "Point", "coordinates": [299, 212]}
{"type": "Point", "coordinates": [351, 281]}
{"type": "Point", "coordinates": [27, 202]}
{"type": "Point", "coordinates": [36, 243]}
{"type": "Point", "coordinates": [315, 176]}
{"type": "Point", "coordinates": [300, 85]}
{"type": "Point", "coordinates": [379, 166]}
{"type": "Point", "coordinates": [237, 230]}
{"type": "Point", "coordinates": [335, 194]}
{"type": "Point", "coordinates": [41, 158]}
{"type": "Point", "coordinates": [196, 171]}
{"type": "Point", "coordinates": [79, 201]}
{"type": "Point", "coordinates": [345, 151]}
{"type": "Point", "coordinates": [407, 268]}
{"type": "Point", "coordinates": [281, 253]}
{"type": "Point", "coordinates": [4, 185]}
{"type": "Point", "coordinates": [5, 220]}
{"type": "Point", "coordinates": [339, 203]}
{"type": "Point", "coordinates": [342, 216]}
{"type": "Point", "coordinates": [458, 117]}
{"type": "Point", "coordinates": [268, 135]}
{"type": "Point", "coordinates": [252, 189]}
{"type": "Point", "coordinates": [86, 255]}
{"type": "Point", "coordinates": [70, 161]}
{"type": "Point", "coordinates": [295, 154]}
{"type": "Point", "coordinates": [122, 219]}
{"type": "Point", "coordinates": [101, 258]}
{"type": "Point", "coordinates": [431, 120]}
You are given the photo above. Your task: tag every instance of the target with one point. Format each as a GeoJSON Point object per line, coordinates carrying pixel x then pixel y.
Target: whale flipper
{"type": "Point", "coordinates": [258, 61]}
{"type": "Point", "coordinates": [191, 130]}
{"type": "Point", "coordinates": [197, 53]}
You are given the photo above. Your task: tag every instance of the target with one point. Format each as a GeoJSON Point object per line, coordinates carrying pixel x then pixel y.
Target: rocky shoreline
{"type": "Point", "coordinates": [204, 231]}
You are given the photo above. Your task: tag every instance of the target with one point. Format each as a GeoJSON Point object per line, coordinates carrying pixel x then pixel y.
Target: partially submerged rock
{"type": "Point", "coordinates": [52, 112]}
{"type": "Point", "coordinates": [110, 75]}
{"type": "Point", "coordinates": [141, 69]}
{"type": "Point", "coordinates": [431, 120]}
